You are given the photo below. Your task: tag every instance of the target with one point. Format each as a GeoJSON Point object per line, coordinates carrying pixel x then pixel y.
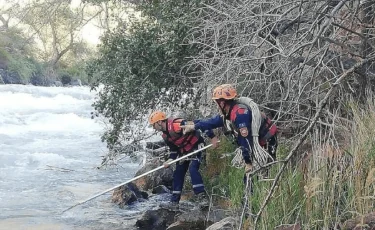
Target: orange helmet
{"type": "Point", "coordinates": [156, 116]}
{"type": "Point", "coordinates": [226, 92]}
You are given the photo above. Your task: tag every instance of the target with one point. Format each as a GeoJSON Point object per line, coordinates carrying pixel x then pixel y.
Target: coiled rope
{"type": "Point", "coordinates": [259, 153]}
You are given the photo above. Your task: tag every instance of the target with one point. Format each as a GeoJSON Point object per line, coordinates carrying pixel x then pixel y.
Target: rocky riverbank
{"type": "Point", "coordinates": [188, 215]}
{"type": "Point", "coordinates": [7, 77]}
{"type": "Point", "coordinates": [191, 214]}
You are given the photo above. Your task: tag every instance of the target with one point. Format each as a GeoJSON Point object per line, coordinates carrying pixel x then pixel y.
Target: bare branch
{"type": "Point", "coordinates": [307, 131]}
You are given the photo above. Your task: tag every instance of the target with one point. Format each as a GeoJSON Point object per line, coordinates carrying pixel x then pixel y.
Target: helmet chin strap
{"type": "Point", "coordinates": [160, 126]}
{"type": "Point", "coordinates": [163, 126]}
{"type": "Point", "coordinates": [221, 109]}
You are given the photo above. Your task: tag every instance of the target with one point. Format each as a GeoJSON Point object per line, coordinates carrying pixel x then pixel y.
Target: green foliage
{"type": "Point", "coordinates": [73, 72]}
{"type": "Point", "coordinates": [23, 66]}
{"type": "Point", "coordinates": [137, 64]}
{"type": "Point", "coordinates": [282, 151]}
{"type": "Point", "coordinates": [14, 41]}
{"type": "Point", "coordinates": [328, 188]}
{"type": "Point", "coordinates": [321, 192]}
{"type": "Point", "coordinates": [287, 203]}
{"type": "Point", "coordinates": [18, 58]}
{"type": "Point", "coordinates": [16, 55]}
{"type": "Point", "coordinates": [221, 179]}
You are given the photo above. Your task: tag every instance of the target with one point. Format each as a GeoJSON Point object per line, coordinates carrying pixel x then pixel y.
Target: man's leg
{"type": "Point", "coordinates": [178, 180]}
{"type": "Point", "coordinates": [272, 147]}
{"type": "Point", "coordinates": [197, 181]}
{"type": "Point", "coordinates": [196, 177]}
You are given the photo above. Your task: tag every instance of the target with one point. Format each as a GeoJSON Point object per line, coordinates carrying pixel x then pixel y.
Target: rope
{"type": "Point", "coordinates": [237, 160]}
{"type": "Point", "coordinates": [260, 154]}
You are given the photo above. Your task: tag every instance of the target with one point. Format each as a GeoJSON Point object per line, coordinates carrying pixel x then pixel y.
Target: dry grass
{"type": "Point", "coordinates": [335, 184]}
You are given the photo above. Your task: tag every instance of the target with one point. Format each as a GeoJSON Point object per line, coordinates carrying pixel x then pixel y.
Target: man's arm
{"type": "Point", "coordinates": [203, 125]}
{"type": "Point", "coordinates": [208, 132]}
{"type": "Point", "coordinates": [173, 150]}
{"type": "Point", "coordinates": [209, 124]}
{"type": "Point", "coordinates": [242, 122]}
{"type": "Point", "coordinates": [173, 153]}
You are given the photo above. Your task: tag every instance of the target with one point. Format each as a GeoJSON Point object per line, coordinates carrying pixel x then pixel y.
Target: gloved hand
{"type": "Point", "coordinates": [248, 168]}
{"type": "Point", "coordinates": [214, 142]}
{"type": "Point", "coordinates": [167, 163]}
{"type": "Point", "coordinates": [188, 127]}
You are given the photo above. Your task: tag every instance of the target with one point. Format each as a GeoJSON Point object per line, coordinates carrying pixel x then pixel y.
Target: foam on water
{"type": "Point", "coordinates": [49, 150]}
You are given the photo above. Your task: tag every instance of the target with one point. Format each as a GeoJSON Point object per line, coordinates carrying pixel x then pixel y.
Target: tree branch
{"type": "Point", "coordinates": [308, 129]}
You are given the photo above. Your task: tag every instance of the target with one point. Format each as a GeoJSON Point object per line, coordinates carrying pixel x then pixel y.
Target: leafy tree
{"type": "Point", "coordinates": [50, 33]}
{"type": "Point", "coordinates": [57, 25]}
{"type": "Point", "coordinates": [16, 57]}
{"type": "Point", "coordinates": [141, 66]}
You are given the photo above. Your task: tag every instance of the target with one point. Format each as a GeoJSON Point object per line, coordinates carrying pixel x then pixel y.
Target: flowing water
{"type": "Point", "coordinates": [49, 152]}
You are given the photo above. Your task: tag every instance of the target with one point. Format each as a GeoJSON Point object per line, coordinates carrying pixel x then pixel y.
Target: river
{"type": "Point", "coordinates": [49, 152]}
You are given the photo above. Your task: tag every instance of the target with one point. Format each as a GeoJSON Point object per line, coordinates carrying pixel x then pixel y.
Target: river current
{"type": "Point", "coordinates": [49, 152]}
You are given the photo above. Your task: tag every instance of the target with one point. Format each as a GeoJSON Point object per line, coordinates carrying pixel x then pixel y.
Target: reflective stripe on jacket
{"type": "Point", "coordinates": [267, 128]}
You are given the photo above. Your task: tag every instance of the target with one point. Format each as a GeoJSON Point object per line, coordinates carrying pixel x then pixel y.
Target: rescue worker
{"type": "Point", "coordinates": [236, 118]}
{"type": "Point", "coordinates": [180, 144]}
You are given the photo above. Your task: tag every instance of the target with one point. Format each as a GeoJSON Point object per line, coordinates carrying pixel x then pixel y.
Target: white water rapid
{"type": "Point", "coordinates": [49, 150]}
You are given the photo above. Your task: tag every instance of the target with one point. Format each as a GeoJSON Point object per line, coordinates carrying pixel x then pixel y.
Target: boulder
{"type": "Point", "coordinates": [156, 219]}
{"type": "Point", "coordinates": [193, 219]}
{"type": "Point", "coordinates": [188, 215]}
{"type": "Point", "coordinates": [76, 82]}
{"type": "Point", "coordinates": [65, 79]}
{"type": "Point", "coordinates": [57, 83]}
{"type": "Point", "coordinates": [227, 223]}
{"type": "Point", "coordinates": [179, 225]}
{"type": "Point", "coordinates": [160, 189]}
{"type": "Point", "coordinates": [358, 223]}
{"type": "Point", "coordinates": [160, 177]}
{"type": "Point", "coordinates": [127, 194]}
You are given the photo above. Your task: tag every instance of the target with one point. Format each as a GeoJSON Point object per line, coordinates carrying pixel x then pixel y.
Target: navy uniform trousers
{"type": "Point", "coordinates": [192, 164]}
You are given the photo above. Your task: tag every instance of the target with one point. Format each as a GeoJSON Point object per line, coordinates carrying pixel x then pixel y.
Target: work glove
{"type": "Point", "coordinates": [188, 127]}
{"type": "Point", "coordinates": [167, 163]}
{"type": "Point", "coordinates": [248, 168]}
{"type": "Point", "coordinates": [215, 142]}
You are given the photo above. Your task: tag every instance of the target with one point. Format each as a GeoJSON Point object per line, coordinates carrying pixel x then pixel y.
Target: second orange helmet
{"type": "Point", "coordinates": [226, 92]}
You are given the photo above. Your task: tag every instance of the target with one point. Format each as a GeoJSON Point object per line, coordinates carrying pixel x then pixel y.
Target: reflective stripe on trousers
{"type": "Point", "coordinates": [179, 177]}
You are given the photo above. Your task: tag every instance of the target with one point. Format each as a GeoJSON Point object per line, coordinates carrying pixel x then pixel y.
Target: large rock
{"type": "Point", "coordinates": [57, 84]}
{"type": "Point", "coordinates": [193, 216]}
{"type": "Point", "coordinates": [179, 225]}
{"type": "Point", "coordinates": [161, 177]}
{"type": "Point", "coordinates": [156, 219]}
{"type": "Point", "coordinates": [127, 194]}
{"type": "Point", "coordinates": [358, 223]}
{"type": "Point", "coordinates": [188, 215]}
{"type": "Point", "coordinates": [161, 189]}
{"type": "Point", "coordinates": [227, 223]}
{"type": "Point", "coordinates": [193, 219]}
{"type": "Point", "coordinates": [76, 82]}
